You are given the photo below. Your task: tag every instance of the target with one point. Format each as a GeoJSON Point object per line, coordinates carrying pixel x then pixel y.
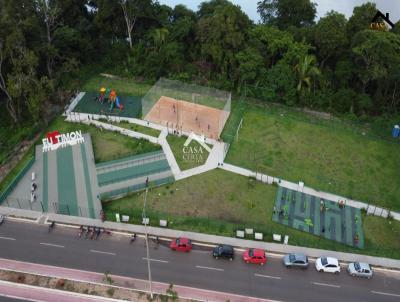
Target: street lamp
{"type": "Point", "coordinates": [144, 218]}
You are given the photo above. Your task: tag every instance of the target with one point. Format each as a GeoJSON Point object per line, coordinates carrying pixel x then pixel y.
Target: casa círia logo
{"type": "Point", "coordinates": [55, 140]}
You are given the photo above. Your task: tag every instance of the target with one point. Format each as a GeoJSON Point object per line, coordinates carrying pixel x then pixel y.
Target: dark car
{"type": "Point", "coordinates": [223, 251]}
{"type": "Point", "coordinates": [295, 260]}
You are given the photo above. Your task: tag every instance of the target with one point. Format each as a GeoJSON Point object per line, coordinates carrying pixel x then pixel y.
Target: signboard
{"type": "Point", "coordinates": [55, 140]}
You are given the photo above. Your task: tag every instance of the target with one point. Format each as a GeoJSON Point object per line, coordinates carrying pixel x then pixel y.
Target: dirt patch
{"type": "Point", "coordinates": [103, 290]}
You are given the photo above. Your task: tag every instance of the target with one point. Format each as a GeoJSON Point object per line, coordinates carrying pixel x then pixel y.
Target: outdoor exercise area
{"type": "Point", "coordinates": [325, 218]}
{"type": "Point", "coordinates": [93, 103]}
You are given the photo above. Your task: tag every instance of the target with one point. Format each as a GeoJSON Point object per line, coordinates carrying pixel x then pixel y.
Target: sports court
{"type": "Point", "coordinates": [187, 107]}
{"type": "Point", "coordinates": [320, 217]}
{"type": "Point", "coordinates": [89, 104]}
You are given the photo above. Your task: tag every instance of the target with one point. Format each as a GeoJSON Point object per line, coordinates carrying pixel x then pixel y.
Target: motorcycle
{"type": "Point", "coordinates": [133, 238]}
{"type": "Point", "coordinates": [87, 232]}
{"type": "Point", "coordinates": [51, 226]}
{"type": "Point", "coordinates": [92, 233]}
{"type": "Point", "coordinates": [97, 233]}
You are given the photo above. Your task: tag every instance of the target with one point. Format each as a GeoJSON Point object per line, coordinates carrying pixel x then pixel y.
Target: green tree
{"type": "Point", "coordinates": [285, 13]}
{"type": "Point", "coordinates": [361, 18]}
{"type": "Point", "coordinates": [330, 36]}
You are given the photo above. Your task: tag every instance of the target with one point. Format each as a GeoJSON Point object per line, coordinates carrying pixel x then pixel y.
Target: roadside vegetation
{"type": "Point", "coordinates": [219, 202]}
{"type": "Point", "coordinates": [137, 128]}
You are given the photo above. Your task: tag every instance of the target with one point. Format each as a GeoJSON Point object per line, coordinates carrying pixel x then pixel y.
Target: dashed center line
{"type": "Point", "coordinates": [326, 284]}
{"type": "Point", "coordinates": [386, 294]}
{"type": "Point", "coordinates": [267, 276]}
{"type": "Point", "coordinates": [210, 268]}
{"type": "Point", "coordinates": [7, 238]}
{"type": "Point", "coordinates": [51, 244]}
{"type": "Point", "coordinates": [101, 252]}
{"type": "Point", "coordinates": [156, 260]}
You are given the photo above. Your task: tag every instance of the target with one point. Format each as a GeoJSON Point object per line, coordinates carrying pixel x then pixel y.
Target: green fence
{"type": "Point", "coordinates": [15, 181]}
{"type": "Point", "coordinates": [135, 188]}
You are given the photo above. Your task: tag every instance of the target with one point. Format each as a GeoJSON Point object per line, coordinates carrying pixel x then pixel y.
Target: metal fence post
{"type": "Point", "coordinates": [19, 203]}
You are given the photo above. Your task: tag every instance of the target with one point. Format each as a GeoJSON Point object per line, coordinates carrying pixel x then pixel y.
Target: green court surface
{"type": "Point", "coordinates": [132, 172]}
{"type": "Point", "coordinates": [89, 104]}
{"type": "Point", "coordinates": [319, 217]}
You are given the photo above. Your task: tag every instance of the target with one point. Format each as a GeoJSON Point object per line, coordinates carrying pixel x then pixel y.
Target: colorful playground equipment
{"type": "Point", "coordinates": [111, 97]}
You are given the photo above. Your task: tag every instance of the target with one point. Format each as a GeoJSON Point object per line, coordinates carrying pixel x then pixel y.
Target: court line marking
{"type": "Point", "coordinates": [386, 294]}
{"type": "Point", "coordinates": [101, 252]}
{"type": "Point", "coordinates": [51, 244]}
{"type": "Point", "coordinates": [210, 268]}
{"type": "Point", "coordinates": [326, 284]}
{"type": "Point", "coordinates": [267, 276]}
{"type": "Point", "coordinates": [156, 260]}
{"type": "Point", "coordinates": [7, 238]}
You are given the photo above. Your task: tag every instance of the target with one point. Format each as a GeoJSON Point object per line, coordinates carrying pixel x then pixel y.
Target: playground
{"type": "Point", "coordinates": [119, 105]}
{"type": "Point", "coordinates": [325, 218]}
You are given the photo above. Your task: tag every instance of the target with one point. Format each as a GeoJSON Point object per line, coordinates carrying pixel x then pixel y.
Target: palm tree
{"type": "Point", "coordinates": [306, 70]}
{"type": "Point", "coordinates": [159, 37]}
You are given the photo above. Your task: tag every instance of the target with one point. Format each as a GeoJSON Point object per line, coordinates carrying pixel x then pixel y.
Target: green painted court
{"type": "Point", "coordinates": [89, 104]}
{"type": "Point", "coordinates": [320, 217]}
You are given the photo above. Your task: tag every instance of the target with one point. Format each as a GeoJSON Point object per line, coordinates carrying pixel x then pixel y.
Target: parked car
{"type": "Point", "coordinates": [328, 265]}
{"type": "Point", "coordinates": [181, 244]}
{"type": "Point", "coordinates": [255, 256]}
{"type": "Point", "coordinates": [360, 269]}
{"type": "Point", "coordinates": [295, 260]}
{"type": "Point", "coordinates": [1, 219]}
{"type": "Point", "coordinates": [223, 251]}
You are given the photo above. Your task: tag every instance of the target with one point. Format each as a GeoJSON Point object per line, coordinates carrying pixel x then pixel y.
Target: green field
{"type": "Point", "coordinates": [187, 160]}
{"type": "Point", "coordinates": [327, 157]}
{"type": "Point", "coordinates": [107, 145]}
{"type": "Point", "coordinates": [219, 202]}
{"type": "Point", "coordinates": [137, 128]}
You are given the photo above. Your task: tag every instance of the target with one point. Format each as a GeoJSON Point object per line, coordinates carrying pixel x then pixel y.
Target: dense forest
{"type": "Point", "coordinates": [332, 64]}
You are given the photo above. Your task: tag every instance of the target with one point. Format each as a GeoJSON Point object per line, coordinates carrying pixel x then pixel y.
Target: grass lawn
{"type": "Point", "coordinates": [185, 157]}
{"type": "Point", "coordinates": [137, 128]}
{"type": "Point", "coordinates": [107, 145]}
{"type": "Point", "coordinates": [122, 86]}
{"type": "Point", "coordinates": [332, 158]}
{"type": "Point", "coordinates": [218, 202]}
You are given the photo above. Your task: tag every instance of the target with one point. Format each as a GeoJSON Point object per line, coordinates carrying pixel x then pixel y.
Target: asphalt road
{"type": "Point", "coordinates": [62, 247]}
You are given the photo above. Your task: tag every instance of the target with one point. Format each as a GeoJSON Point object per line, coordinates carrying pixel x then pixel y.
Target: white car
{"type": "Point", "coordinates": [328, 265]}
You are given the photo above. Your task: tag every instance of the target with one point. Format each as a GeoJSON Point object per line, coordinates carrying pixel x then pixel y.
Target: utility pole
{"type": "Point", "coordinates": [147, 237]}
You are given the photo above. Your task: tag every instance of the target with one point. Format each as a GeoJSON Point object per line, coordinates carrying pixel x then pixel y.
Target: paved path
{"type": "Point", "coordinates": [31, 242]}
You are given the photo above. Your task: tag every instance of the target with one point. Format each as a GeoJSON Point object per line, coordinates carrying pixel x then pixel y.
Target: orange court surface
{"type": "Point", "coordinates": [189, 117]}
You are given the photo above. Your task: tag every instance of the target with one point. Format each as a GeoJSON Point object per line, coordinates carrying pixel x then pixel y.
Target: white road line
{"type": "Point", "coordinates": [326, 284]}
{"type": "Point", "coordinates": [210, 268]}
{"type": "Point", "coordinates": [386, 294]}
{"type": "Point", "coordinates": [100, 252]}
{"type": "Point", "coordinates": [156, 260]}
{"type": "Point", "coordinates": [7, 238]}
{"type": "Point", "coordinates": [267, 276]}
{"type": "Point", "coordinates": [51, 244]}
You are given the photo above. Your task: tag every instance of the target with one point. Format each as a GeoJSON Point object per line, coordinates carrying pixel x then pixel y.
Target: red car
{"type": "Point", "coordinates": [255, 256]}
{"type": "Point", "coordinates": [181, 244]}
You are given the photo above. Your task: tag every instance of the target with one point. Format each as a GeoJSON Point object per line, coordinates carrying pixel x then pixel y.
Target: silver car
{"type": "Point", "coordinates": [295, 260]}
{"type": "Point", "coordinates": [360, 269]}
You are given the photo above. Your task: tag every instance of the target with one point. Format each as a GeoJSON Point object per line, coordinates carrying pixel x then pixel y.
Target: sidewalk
{"type": "Point", "coordinates": [120, 282]}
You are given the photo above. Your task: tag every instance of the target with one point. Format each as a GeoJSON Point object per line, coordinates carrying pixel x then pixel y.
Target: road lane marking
{"type": "Point", "coordinates": [156, 260]}
{"type": "Point", "coordinates": [210, 268]}
{"type": "Point", "coordinates": [100, 252]}
{"type": "Point", "coordinates": [326, 284]}
{"type": "Point", "coordinates": [7, 238]}
{"type": "Point", "coordinates": [51, 244]}
{"type": "Point", "coordinates": [386, 294]}
{"type": "Point", "coordinates": [267, 276]}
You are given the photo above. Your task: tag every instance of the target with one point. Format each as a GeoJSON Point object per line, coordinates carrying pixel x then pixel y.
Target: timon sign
{"type": "Point", "coordinates": [55, 140]}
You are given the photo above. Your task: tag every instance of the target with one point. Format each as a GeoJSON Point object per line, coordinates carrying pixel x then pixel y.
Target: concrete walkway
{"type": "Point", "coordinates": [184, 292]}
